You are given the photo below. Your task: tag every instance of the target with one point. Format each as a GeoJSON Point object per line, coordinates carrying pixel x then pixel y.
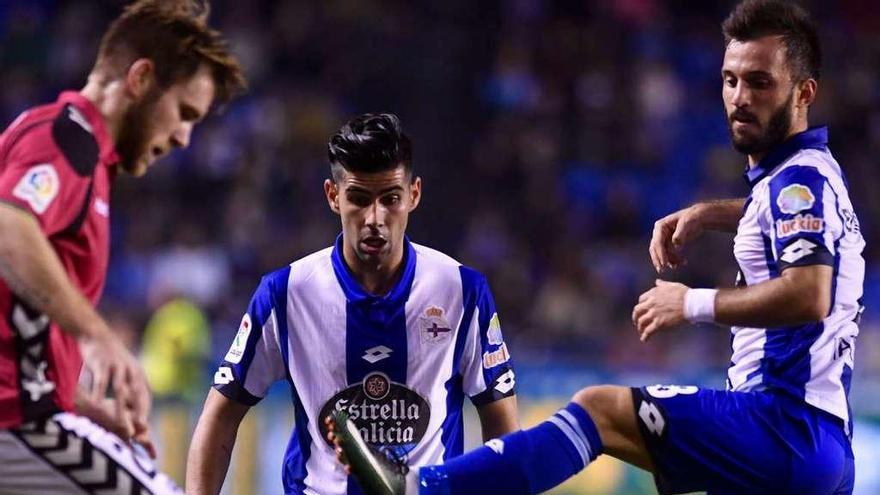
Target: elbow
{"type": "Point", "coordinates": [816, 305]}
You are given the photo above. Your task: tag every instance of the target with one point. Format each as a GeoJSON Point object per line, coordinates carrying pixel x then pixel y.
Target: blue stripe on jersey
{"type": "Point", "coordinates": [836, 251]}
{"type": "Point", "coordinates": [259, 310]}
{"type": "Point", "coordinates": [846, 380]}
{"type": "Point", "coordinates": [773, 272]}
{"type": "Point", "coordinates": [772, 267]}
{"type": "Point", "coordinates": [293, 472]}
{"type": "Point", "coordinates": [453, 428]}
{"type": "Point", "coordinates": [375, 333]}
{"type": "Point", "coordinates": [786, 362]}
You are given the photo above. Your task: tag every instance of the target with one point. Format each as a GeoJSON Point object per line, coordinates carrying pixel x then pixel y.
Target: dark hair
{"type": "Point", "coordinates": [753, 19]}
{"type": "Point", "coordinates": [174, 34]}
{"type": "Point", "coordinates": [372, 142]}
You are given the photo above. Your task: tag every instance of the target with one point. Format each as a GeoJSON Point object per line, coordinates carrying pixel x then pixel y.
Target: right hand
{"type": "Point", "coordinates": [670, 234]}
{"type": "Point", "coordinates": [112, 365]}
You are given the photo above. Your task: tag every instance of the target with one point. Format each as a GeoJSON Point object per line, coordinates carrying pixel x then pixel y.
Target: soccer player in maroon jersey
{"type": "Point", "coordinates": [158, 72]}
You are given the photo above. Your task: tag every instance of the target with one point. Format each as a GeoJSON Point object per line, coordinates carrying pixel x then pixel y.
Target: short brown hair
{"type": "Point", "coordinates": [753, 19]}
{"type": "Point", "coordinates": [174, 34]}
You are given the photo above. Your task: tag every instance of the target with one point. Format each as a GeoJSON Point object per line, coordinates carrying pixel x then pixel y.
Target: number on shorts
{"type": "Point", "coordinates": [667, 391]}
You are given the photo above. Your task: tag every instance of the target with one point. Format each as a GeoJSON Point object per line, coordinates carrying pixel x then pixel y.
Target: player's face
{"type": "Point", "coordinates": [163, 120]}
{"type": "Point", "coordinates": [374, 209]}
{"type": "Point", "coordinates": [758, 94]}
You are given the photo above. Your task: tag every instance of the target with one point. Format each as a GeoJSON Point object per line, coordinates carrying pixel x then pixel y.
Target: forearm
{"type": "Point", "coordinates": [722, 215]}
{"type": "Point", "coordinates": [779, 302]}
{"type": "Point", "coordinates": [211, 447]}
{"type": "Point", "coordinates": [32, 270]}
{"type": "Point", "coordinates": [499, 418]}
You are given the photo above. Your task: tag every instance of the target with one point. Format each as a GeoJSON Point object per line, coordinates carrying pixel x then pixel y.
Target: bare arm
{"type": "Point", "coordinates": [212, 443]}
{"type": "Point", "coordinates": [799, 295]}
{"type": "Point", "coordinates": [32, 270]}
{"type": "Point", "coordinates": [673, 231]}
{"type": "Point", "coordinates": [498, 418]}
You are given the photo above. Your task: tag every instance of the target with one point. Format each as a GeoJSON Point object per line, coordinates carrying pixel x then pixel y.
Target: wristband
{"type": "Point", "coordinates": [699, 305]}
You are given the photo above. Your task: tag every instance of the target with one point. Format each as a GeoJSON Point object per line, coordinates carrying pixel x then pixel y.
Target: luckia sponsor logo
{"type": "Point", "coordinates": [800, 223]}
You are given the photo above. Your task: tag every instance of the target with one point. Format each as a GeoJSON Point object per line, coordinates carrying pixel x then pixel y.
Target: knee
{"type": "Point", "coordinates": [604, 403]}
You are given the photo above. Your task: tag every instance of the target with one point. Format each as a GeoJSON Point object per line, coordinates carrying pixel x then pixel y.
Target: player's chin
{"type": "Point", "coordinates": [136, 168]}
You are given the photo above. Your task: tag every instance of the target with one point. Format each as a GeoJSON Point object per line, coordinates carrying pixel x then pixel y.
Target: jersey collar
{"type": "Point", "coordinates": [812, 138]}
{"type": "Point", "coordinates": [105, 142]}
{"type": "Point", "coordinates": [353, 290]}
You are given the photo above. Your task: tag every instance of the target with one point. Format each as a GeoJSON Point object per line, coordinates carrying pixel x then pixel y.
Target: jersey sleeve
{"type": "Point", "coordinates": [486, 367]}
{"type": "Point", "coordinates": [254, 360]}
{"type": "Point", "coordinates": [37, 175]}
{"type": "Point", "coordinates": [804, 220]}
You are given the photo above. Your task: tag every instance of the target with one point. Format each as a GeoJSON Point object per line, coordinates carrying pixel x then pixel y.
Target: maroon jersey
{"type": "Point", "coordinates": [57, 162]}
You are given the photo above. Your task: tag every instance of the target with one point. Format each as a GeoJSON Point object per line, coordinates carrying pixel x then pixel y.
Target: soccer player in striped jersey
{"type": "Point", "coordinates": [783, 425]}
{"type": "Point", "coordinates": [393, 333]}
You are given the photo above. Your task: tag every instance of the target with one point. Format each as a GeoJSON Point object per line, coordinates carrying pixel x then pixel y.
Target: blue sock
{"type": "Point", "coordinates": [526, 461]}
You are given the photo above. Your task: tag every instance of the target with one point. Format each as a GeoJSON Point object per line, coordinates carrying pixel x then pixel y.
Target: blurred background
{"type": "Point", "coordinates": [550, 135]}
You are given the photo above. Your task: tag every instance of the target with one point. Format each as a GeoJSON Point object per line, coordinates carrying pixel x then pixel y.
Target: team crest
{"type": "Point", "coordinates": [434, 327]}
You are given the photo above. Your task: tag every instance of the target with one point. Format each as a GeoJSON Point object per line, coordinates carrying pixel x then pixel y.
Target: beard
{"type": "Point", "coordinates": [776, 131]}
{"type": "Point", "coordinates": [134, 134]}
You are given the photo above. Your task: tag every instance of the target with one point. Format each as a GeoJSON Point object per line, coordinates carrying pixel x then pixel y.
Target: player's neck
{"type": "Point", "coordinates": [376, 279]}
{"type": "Point", "coordinates": [108, 99]}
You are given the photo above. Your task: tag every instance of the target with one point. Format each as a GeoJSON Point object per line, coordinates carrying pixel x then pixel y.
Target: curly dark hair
{"type": "Point", "coordinates": [372, 142]}
{"type": "Point", "coordinates": [753, 19]}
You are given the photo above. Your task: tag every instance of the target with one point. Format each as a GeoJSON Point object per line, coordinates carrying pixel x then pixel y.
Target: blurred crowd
{"type": "Point", "coordinates": [550, 135]}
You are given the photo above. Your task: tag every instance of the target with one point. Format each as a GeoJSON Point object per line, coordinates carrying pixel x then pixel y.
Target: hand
{"type": "Point", "coordinates": [105, 414]}
{"type": "Point", "coordinates": [334, 439]}
{"type": "Point", "coordinates": [111, 364]}
{"type": "Point", "coordinates": [659, 308]}
{"type": "Point", "coordinates": [670, 234]}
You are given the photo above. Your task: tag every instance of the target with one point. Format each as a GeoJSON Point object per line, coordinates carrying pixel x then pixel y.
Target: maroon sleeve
{"type": "Point", "coordinates": [37, 178]}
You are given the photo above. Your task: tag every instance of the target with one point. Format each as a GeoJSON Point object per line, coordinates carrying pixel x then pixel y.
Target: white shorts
{"type": "Point", "coordinates": [69, 454]}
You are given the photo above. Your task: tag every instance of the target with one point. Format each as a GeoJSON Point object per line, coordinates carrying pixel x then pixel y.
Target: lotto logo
{"type": "Point", "coordinates": [505, 382]}
{"type": "Point", "coordinates": [223, 376]}
{"type": "Point", "coordinates": [797, 250]}
{"type": "Point", "coordinates": [497, 445]}
{"type": "Point", "coordinates": [376, 354]}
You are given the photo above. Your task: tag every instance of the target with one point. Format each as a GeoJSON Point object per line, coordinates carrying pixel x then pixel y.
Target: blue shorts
{"type": "Point", "coordinates": [742, 442]}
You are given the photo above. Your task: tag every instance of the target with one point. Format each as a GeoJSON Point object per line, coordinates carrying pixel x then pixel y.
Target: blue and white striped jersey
{"type": "Point", "coordinates": [400, 364]}
{"type": "Point", "coordinates": [799, 213]}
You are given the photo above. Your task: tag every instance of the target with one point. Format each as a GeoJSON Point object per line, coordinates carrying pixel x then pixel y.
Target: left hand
{"type": "Point", "coordinates": [659, 308]}
{"type": "Point", "coordinates": [123, 421]}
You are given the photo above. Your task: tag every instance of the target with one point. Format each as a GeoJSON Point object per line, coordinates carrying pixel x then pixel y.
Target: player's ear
{"type": "Point", "coordinates": [139, 78]}
{"type": "Point", "coordinates": [806, 93]}
{"type": "Point", "coordinates": [332, 193]}
{"type": "Point", "coordinates": [415, 193]}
